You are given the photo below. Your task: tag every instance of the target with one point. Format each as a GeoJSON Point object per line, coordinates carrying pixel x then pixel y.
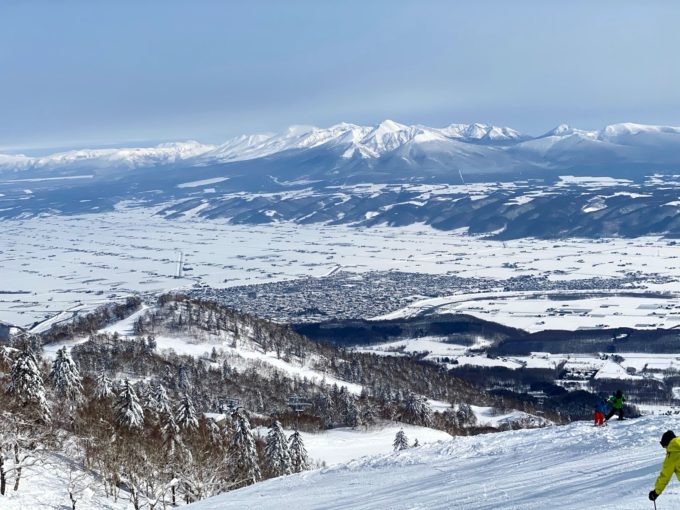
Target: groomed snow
{"type": "Point", "coordinates": [342, 445]}
{"type": "Point", "coordinates": [570, 467]}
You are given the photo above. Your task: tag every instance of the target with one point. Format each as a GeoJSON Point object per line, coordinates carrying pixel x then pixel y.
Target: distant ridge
{"type": "Point", "coordinates": [502, 148]}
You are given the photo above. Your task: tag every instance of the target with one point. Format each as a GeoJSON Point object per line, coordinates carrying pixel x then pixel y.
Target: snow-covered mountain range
{"type": "Point", "coordinates": [481, 148]}
{"type": "Point", "coordinates": [389, 173]}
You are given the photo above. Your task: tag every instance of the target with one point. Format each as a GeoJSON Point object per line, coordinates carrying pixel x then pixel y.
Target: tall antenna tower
{"type": "Point", "coordinates": [180, 264]}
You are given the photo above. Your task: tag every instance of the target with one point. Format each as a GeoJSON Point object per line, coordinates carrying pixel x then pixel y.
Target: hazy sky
{"type": "Point", "coordinates": [92, 72]}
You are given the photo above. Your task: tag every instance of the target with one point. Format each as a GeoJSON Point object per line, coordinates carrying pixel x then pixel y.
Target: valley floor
{"type": "Point", "coordinates": [58, 265]}
{"type": "Point", "coordinates": [570, 467]}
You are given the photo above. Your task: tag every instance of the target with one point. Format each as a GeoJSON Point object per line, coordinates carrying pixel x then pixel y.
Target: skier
{"type": "Point", "coordinates": [600, 409]}
{"type": "Point", "coordinates": [616, 401]}
{"type": "Point", "coordinates": [670, 465]}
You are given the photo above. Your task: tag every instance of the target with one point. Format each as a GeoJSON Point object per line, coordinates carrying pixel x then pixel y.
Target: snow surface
{"type": "Point", "coordinates": [45, 486]}
{"type": "Point", "coordinates": [569, 467]}
{"type": "Point", "coordinates": [53, 264]}
{"type": "Point", "coordinates": [536, 311]}
{"type": "Point", "coordinates": [342, 445]}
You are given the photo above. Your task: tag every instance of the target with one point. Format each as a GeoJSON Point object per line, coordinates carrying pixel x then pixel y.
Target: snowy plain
{"type": "Point", "coordinates": [56, 263]}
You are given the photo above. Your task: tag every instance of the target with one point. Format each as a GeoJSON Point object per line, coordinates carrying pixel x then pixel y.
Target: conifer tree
{"type": "Point", "coordinates": [298, 453]}
{"type": "Point", "coordinates": [65, 377]}
{"type": "Point", "coordinates": [183, 378]}
{"type": "Point", "coordinates": [27, 386]}
{"type": "Point", "coordinates": [465, 415]}
{"type": "Point", "coordinates": [185, 414]}
{"type": "Point", "coordinates": [352, 417]}
{"type": "Point", "coordinates": [400, 441]}
{"type": "Point", "coordinates": [368, 415]}
{"type": "Point", "coordinates": [5, 359]}
{"type": "Point", "coordinates": [276, 451]}
{"type": "Point", "coordinates": [416, 409]}
{"type": "Point", "coordinates": [128, 412]}
{"type": "Point", "coordinates": [243, 453]}
{"type": "Point", "coordinates": [160, 399]}
{"type": "Point", "coordinates": [170, 433]}
{"type": "Point", "coordinates": [104, 387]}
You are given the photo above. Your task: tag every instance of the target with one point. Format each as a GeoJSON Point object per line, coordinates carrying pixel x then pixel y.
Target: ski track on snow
{"type": "Point", "coordinates": [570, 467]}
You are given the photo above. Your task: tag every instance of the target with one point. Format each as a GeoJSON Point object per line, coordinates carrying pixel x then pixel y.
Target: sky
{"type": "Point", "coordinates": [84, 73]}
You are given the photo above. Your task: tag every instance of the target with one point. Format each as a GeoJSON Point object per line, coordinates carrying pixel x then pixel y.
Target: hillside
{"type": "Point", "coordinates": [176, 400]}
{"type": "Point", "coordinates": [574, 466]}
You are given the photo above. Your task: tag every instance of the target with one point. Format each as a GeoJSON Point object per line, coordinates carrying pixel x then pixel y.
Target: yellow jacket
{"type": "Point", "coordinates": [670, 465]}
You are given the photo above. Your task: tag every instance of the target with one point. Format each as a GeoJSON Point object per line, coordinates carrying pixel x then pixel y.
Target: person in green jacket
{"type": "Point", "coordinates": [670, 465]}
{"type": "Point", "coordinates": [616, 402]}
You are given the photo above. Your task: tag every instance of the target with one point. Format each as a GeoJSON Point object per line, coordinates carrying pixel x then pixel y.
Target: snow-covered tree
{"type": "Point", "coordinates": [348, 411]}
{"type": "Point", "coordinates": [243, 453]}
{"type": "Point", "coordinates": [160, 400]}
{"type": "Point", "coordinates": [103, 388]}
{"type": "Point", "coordinates": [128, 412]}
{"type": "Point", "coordinates": [466, 416]}
{"type": "Point", "coordinates": [27, 386]}
{"type": "Point", "coordinates": [368, 415]}
{"type": "Point", "coordinates": [216, 434]}
{"type": "Point", "coordinates": [183, 378]}
{"type": "Point", "coordinates": [185, 414]}
{"type": "Point", "coordinates": [145, 394]}
{"type": "Point", "coordinates": [276, 452]}
{"type": "Point", "coordinates": [24, 443]}
{"type": "Point", "coordinates": [416, 409]}
{"type": "Point", "coordinates": [170, 432]}
{"type": "Point", "coordinates": [5, 358]}
{"type": "Point", "coordinates": [400, 441]}
{"type": "Point", "coordinates": [298, 453]}
{"type": "Point", "coordinates": [65, 377]}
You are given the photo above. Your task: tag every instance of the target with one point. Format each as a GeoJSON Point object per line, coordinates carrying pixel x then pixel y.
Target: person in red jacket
{"type": "Point", "coordinates": [600, 409]}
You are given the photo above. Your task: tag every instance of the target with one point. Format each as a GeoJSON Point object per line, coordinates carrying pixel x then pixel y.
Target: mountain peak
{"type": "Point", "coordinates": [561, 130]}
{"type": "Point", "coordinates": [479, 131]}
{"type": "Point", "coordinates": [390, 126]}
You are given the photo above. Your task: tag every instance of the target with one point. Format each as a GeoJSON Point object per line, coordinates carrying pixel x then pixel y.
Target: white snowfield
{"type": "Point", "coordinates": [345, 444]}
{"type": "Point", "coordinates": [53, 264]}
{"type": "Point", "coordinates": [571, 467]}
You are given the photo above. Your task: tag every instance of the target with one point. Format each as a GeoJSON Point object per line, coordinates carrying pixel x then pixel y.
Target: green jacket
{"type": "Point", "coordinates": [617, 403]}
{"type": "Point", "coordinates": [670, 465]}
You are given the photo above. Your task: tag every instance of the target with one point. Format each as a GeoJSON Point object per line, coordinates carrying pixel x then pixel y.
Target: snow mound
{"type": "Point", "coordinates": [574, 466]}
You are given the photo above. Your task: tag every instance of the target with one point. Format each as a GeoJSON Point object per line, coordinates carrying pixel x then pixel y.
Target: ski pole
{"type": "Point", "coordinates": [654, 504]}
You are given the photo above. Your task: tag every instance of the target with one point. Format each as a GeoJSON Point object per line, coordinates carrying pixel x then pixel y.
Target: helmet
{"type": "Point", "coordinates": [667, 437]}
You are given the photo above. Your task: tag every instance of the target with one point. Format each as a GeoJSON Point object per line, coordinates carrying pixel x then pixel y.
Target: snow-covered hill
{"type": "Point", "coordinates": [569, 467]}
{"type": "Point", "coordinates": [129, 157]}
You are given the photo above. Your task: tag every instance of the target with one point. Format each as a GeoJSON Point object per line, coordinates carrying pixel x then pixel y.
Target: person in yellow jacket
{"type": "Point", "coordinates": [670, 465]}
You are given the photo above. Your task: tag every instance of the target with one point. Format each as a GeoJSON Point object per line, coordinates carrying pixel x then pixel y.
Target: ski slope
{"type": "Point", "coordinates": [570, 467]}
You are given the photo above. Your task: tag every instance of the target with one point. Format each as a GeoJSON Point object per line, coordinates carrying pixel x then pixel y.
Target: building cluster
{"type": "Point", "coordinates": [347, 295]}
